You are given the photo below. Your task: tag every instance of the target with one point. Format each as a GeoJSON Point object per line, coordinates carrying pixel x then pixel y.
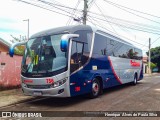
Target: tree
{"type": "Point", "coordinates": [152, 66]}
{"type": "Point", "coordinates": [155, 56]}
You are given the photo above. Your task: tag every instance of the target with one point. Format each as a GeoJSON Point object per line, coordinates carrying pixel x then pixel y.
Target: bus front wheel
{"type": "Point", "coordinates": [95, 88]}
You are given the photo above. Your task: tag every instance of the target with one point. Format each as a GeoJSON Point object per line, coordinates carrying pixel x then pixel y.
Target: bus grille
{"type": "Point", "coordinates": [39, 86]}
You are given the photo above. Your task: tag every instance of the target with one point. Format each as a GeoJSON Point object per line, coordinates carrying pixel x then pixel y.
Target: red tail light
{"type": "Point", "coordinates": [77, 89]}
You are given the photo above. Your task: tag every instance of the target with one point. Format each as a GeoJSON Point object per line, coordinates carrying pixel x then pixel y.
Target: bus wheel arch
{"type": "Point", "coordinates": [101, 84]}
{"type": "Point", "coordinates": [97, 87]}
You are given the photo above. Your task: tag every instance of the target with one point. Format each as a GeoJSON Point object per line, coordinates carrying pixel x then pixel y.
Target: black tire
{"type": "Point", "coordinates": [96, 88]}
{"type": "Point", "coordinates": [135, 80]}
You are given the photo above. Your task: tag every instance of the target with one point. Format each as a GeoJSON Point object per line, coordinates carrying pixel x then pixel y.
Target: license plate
{"type": "Point", "coordinates": [37, 93]}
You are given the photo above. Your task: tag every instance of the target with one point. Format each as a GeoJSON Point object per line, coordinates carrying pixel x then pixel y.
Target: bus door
{"type": "Point", "coordinates": [76, 62]}
{"type": "Point", "coordinates": [76, 56]}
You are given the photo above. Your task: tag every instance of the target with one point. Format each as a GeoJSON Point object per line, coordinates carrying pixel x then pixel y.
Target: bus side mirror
{"type": "Point", "coordinates": [12, 47]}
{"type": "Point", "coordinates": [65, 41]}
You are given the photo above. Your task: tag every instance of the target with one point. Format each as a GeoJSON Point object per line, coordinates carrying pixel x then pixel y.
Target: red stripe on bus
{"type": "Point", "coordinates": [117, 78]}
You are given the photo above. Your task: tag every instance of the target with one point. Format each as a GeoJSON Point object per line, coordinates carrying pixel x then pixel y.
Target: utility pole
{"type": "Point", "coordinates": [149, 56]}
{"type": "Point", "coordinates": [85, 12]}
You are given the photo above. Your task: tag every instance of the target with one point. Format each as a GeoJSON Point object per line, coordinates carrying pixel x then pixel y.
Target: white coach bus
{"type": "Point", "coordinates": [75, 60]}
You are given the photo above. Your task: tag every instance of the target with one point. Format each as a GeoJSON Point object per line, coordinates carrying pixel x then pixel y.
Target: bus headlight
{"type": "Point", "coordinates": [58, 83]}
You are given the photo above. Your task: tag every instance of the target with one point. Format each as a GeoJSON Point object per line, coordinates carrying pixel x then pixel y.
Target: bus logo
{"type": "Point", "coordinates": [28, 81]}
{"type": "Point", "coordinates": [134, 64]}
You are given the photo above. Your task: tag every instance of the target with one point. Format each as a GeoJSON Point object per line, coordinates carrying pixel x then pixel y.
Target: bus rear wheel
{"type": "Point", "coordinates": [135, 80]}
{"type": "Point", "coordinates": [95, 88]}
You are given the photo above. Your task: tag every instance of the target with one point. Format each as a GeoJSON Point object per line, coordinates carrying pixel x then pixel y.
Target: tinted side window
{"type": "Point", "coordinates": [100, 44]}
{"type": "Point", "coordinates": [120, 50]}
{"type": "Point", "coordinates": [106, 46]}
{"type": "Point", "coordinates": [124, 51]}
{"type": "Point", "coordinates": [130, 53]}
{"type": "Point", "coordinates": [138, 54]}
{"type": "Point", "coordinates": [110, 47]}
{"type": "Point", "coordinates": [85, 36]}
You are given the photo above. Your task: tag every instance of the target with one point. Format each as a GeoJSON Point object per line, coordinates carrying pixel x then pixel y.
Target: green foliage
{"type": "Point", "coordinates": [19, 50]}
{"type": "Point", "coordinates": [155, 56]}
{"type": "Point", "coordinates": [152, 66]}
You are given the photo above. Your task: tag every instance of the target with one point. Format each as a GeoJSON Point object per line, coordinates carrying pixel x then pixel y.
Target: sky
{"type": "Point", "coordinates": [13, 12]}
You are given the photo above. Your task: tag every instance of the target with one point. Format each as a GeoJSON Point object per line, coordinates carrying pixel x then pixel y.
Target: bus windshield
{"type": "Point", "coordinates": [43, 55]}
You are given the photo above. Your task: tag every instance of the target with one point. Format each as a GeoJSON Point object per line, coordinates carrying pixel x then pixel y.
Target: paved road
{"type": "Point", "coordinates": [145, 96]}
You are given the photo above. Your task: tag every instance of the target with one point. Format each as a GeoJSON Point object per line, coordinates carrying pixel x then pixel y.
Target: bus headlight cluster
{"type": "Point", "coordinates": [58, 83]}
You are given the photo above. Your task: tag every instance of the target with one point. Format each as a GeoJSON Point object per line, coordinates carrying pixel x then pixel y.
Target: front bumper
{"type": "Point", "coordinates": [61, 91]}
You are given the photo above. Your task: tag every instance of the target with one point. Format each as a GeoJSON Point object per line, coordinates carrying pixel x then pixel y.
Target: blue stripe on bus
{"type": "Point", "coordinates": [81, 77]}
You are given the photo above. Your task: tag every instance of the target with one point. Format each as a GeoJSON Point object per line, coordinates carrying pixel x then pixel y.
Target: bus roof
{"type": "Point", "coordinates": [73, 28]}
{"type": "Point", "coordinates": [65, 29]}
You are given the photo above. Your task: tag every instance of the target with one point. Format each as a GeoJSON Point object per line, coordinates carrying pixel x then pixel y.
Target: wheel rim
{"type": "Point", "coordinates": [135, 80]}
{"type": "Point", "coordinates": [95, 88]}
